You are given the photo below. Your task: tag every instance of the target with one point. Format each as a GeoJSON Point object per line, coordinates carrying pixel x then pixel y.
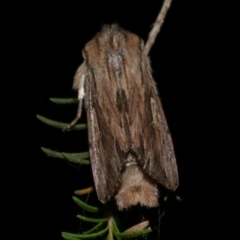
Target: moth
{"type": "Point", "coordinates": [130, 146]}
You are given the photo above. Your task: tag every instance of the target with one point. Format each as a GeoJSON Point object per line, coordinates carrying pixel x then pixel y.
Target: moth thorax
{"type": "Point", "coordinates": [136, 188]}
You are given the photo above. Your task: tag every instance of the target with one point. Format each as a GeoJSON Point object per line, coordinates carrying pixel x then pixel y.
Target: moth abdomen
{"type": "Point", "coordinates": [136, 188]}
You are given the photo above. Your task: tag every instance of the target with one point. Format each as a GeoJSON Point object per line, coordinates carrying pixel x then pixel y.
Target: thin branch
{"type": "Point", "coordinates": [110, 226]}
{"type": "Point", "coordinates": [157, 25]}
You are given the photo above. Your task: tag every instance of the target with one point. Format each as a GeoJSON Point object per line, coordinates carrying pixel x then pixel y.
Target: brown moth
{"type": "Point", "coordinates": [130, 146]}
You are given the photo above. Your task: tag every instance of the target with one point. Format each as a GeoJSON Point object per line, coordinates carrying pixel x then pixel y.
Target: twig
{"type": "Point", "coordinates": [110, 226]}
{"type": "Point", "coordinates": [157, 25]}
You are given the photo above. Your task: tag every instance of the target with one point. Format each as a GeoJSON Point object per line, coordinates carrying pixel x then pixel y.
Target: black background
{"type": "Point", "coordinates": [194, 63]}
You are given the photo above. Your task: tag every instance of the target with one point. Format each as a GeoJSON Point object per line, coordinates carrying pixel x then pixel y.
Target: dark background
{"type": "Point", "coordinates": [194, 63]}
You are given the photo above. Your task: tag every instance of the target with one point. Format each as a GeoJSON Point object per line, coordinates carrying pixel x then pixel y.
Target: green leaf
{"type": "Point", "coordinates": [132, 234]}
{"type": "Point", "coordinates": [60, 125]}
{"type": "Point", "coordinates": [87, 219]}
{"type": "Point", "coordinates": [66, 235]}
{"type": "Point", "coordinates": [85, 206]}
{"type": "Point", "coordinates": [64, 100]}
{"type": "Point", "coordinates": [78, 158]}
{"type": "Point", "coordinates": [97, 227]}
{"type": "Point", "coordinates": [115, 229]}
{"type": "Point", "coordinates": [70, 238]}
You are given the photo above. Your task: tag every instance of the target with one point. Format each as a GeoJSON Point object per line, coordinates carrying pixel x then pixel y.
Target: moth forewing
{"type": "Point", "coordinates": [159, 161]}
{"type": "Point", "coordinates": [130, 146]}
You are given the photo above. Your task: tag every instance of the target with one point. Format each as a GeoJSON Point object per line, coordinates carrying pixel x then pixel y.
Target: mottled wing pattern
{"type": "Point", "coordinates": [158, 159]}
{"type": "Point", "coordinates": [107, 137]}
{"type": "Point", "coordinates": [124, 112]}
{"type": "Point", "coordinates": [105, 154]}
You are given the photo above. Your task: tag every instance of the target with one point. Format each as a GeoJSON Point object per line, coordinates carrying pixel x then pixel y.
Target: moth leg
{"type": "Point", "coordinates": [81, 94]}
{"type": "Point", "coordinates": [75, 120]}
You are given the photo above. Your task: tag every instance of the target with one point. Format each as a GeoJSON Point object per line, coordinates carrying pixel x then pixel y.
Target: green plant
{"type": "Point", "coordinates": [105, 226]}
